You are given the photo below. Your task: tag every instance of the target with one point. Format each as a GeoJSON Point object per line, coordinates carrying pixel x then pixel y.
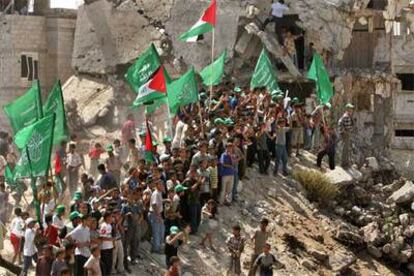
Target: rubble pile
{"type": "Point", "coordinates": [380, 209]}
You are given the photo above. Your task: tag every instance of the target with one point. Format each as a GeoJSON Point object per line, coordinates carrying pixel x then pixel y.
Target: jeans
{"type": "Point", "coordinates": [234, 266]}
{"type": "Point", "coordinates": [307, 138]}
{"type": "Point", "coordinates": [195, 216]}
{"type": "Point", "coordinates": [27, 263]}
{"type": "Point", "coordinates": [157, 228]}
{"type": "Point", "coordinates": [106, 262]}
{"type": "Point", "coordinates": [235, 184]}
{"type": "Point", "coordinates": [281, 158]}
{"type": "Point", "coordinates": [79, 263]}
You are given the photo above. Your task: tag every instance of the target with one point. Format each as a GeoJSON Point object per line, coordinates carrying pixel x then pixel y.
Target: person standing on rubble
{"type": "Point", "coordinates": [346, 125]}
{"type": "Point", "coordinates": [278, 10]}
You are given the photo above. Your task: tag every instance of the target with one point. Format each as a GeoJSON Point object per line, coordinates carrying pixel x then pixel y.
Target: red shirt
{"type": "Point", "coordinates": [173, 271]}
{"type": "Point", "coordinates": [51, 233]}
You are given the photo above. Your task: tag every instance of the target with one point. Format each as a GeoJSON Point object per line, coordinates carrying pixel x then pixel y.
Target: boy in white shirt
{"type": "Point", "coordinates": [17, 233]}
{"type": "Point", "coordinates": [92, 265]}
{"type": "Point", "coordinates": [29, 249]}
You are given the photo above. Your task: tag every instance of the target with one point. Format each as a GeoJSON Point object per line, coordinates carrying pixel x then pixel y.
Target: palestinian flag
{"type": "Point", "coordinates": [149, 157]}
{"type": "Point", "coordinates": [204, 25]}
{"type": "Point", "coordinates": [155, 88]}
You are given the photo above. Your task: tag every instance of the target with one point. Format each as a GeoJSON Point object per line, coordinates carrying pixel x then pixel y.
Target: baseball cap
{"type": "Point", "coordinates": [174, 230]}
{"type": "Point", "coordinates": [180, 188]}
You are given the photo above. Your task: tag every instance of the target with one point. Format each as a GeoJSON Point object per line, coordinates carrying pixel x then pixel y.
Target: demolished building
{"type": "Point", "coordinates": [367, 45]}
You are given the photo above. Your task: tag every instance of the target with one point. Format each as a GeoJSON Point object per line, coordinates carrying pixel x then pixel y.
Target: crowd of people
{"type": "Point", "coordinates": [123, 197]}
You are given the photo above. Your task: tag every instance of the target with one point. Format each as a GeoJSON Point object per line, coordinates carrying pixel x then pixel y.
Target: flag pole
{"type": "Point", "coordinates": [201, 119]}
{"type": "Point", "coordinates": [170, 123]}
{"type": "Point", "coordinates": [212, 61]}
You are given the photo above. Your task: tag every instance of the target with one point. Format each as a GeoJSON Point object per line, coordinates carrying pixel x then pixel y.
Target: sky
{"type": "Point", "coordinates": [65, 4]}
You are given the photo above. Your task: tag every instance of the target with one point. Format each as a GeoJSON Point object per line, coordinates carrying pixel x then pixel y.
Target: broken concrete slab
{"type": "Point", "coordinates": [273, 46]}
{"type": "Point", "coordinates": [340, 177]}
{"type": "Point", "coordinates": [94, 97]}
{"type": "Point", "coordinates": [107, 37]}
{"type": "Point", "coordinates": [404, 194]}
{"type": "Point", "coordinates": [185, 13]}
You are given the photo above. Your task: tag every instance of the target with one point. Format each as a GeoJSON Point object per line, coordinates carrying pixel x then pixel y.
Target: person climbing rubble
{"type": "Point", "coordinates": [278, 9]}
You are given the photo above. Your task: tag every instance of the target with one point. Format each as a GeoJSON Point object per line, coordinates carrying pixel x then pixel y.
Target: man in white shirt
{"type": "Point", "coordinates": [74, 161]}
{"type": "Point", "coordinates": [155, 217]}
{"type": "Point", "coordinates": [278, 10]}
{"type": "Point", "coordinates": [29, 248]}
{"type": "Point", "coordinates": [81, 237]}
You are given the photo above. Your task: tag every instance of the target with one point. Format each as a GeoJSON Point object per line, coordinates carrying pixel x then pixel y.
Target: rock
{"type": "Point", "coordinates": [318, 254]}
{"type": "Point", "coordinates": [308, 264]}
{"type": "Point", "coordinates": [362, 197]}
{"type": "Point", "coordinates": [405, 255]}
{"type": "Point", "coordinates": [340, 211]}
{"type": "Point", "coordinates": [278, 220]}
{"type": "Point", "coordinates": [396, 184]}
{"type": "Point", "coordinates": [341, 261]}
{"type": "Point", "coordinates": [348, 235]}
{"type": "Point", "coordinates": [374, 251]}
{"type": "Point", "coordinates": [372, 162]}
{"type": "Point", "coordinates": [386, 248]}
{"type": "Point", "coordinates": [355, 173]}
{"type": "Point", "coordinates": [404, 219]}
{"type": "Point", "coordinates": [409, 231]}
{"type": "Point", "coordinates": [404, 194]}
{"type": "Point", "coordinates": [272, 193]}
{"type": "Point", "coordinates": [340, 177]}
{"type": "Point", "coordinates": [371, 233]}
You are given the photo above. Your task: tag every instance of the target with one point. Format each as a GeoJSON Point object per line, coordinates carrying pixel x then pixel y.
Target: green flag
{"type": "Point", "coordinates": [145, 66]}
{"type": "Point", "coordinates": [26, 109]}
{"type": "Point", "coordinates": [35, 143]}
{"type": "Point", "coordinates": [213, 73]}
{"type": "Point", "coordinates": [318, 73]}
{"type": "Point", "coordinates": [264, 75]}
{"type": "Point", "coordinates": [183, 91]}
{"type": "Point", "coordinates": [11, 182]}
{"type": "Point", "coordinates": [55, 104]}
{"type": "Point", "coordinates": [151, 108]}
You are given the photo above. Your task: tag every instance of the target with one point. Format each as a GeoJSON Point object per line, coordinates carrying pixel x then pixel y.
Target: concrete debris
{"type": "Point", "coordinates": [348, 235]}
{"type": "Point", "coordinates": [404, 194]}
{"type": "Point", "coordinates": [329, 24]}
{"type": "Point", "coordinates": [96, 100]}
{"type": "Point", "coordinates": [273, 46]}
{"type": "Point", "coordinates": [372, 163]}
{"type": "Point", "coordinates": [341, 261]}
{"type": "Point", "coordinates": [107, 37]}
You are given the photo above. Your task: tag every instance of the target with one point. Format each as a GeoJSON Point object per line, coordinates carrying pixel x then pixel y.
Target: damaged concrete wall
{"type": "Point", "coordinates": [371, 93]}
{"type": "Point", "coordinates": [328, 23]}
{"type": "Point", "coordinates": [108, 36]}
